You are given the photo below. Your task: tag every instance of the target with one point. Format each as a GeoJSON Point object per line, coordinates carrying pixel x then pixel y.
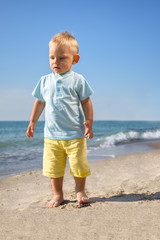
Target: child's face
{"type": "Point", "coordinates": [62, 58]}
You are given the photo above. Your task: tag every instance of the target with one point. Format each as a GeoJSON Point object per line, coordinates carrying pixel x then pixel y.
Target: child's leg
{"type": "Point", "coordinates": [54, 163]}
{"type": "Point", "coordinates": [57, 184]}
{"type": "Point", "coordinates": [79, 168]}
{"type": "Point", "coordinates": [80, 190]}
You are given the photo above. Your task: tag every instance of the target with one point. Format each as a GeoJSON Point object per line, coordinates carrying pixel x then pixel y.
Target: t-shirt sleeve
{"type": "Point", "coordinates": [84, 89]}
{"type": "Point", "coordinates": [38, 91]}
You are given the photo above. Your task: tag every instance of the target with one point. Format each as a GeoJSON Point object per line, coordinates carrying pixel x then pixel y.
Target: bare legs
{"type": "Point", "coordinates": [57, 185]}
{"type": "Point", "coordinates": [80, 190]}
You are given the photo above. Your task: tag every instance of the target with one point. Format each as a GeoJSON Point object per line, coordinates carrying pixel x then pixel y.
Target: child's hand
{"type": "Point", "coordinates": [88, 132]}
{"type": "Point", "coordinates": [30, 130]}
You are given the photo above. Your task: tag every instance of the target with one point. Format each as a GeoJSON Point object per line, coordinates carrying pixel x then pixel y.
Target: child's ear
{"type": "Point", "coordinates": [76, 58]}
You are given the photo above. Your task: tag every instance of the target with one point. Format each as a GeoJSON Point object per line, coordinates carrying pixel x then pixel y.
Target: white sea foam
{"type": "Point", "coordinates": [151, 135]}
{"type": "Point", "coordinates": [119, 138]}
{"type": "Point", "coordinates": [126, 137]}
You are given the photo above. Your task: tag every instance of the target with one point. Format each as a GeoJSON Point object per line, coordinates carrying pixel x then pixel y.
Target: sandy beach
{"type": "Point", "coordinates": [125, 203]}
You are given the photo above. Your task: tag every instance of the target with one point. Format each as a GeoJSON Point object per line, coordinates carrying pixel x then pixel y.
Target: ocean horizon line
{"type": "Point", "coordinates": [107, 120]}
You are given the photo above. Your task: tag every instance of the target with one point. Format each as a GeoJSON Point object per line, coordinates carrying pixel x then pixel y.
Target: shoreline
{"type": "Point", "coordinates": [125, 202]}
{"type": "Point", "coordinates": [153, 146]}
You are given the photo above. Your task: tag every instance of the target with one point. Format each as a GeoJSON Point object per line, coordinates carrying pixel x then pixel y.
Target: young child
{"type": "Point", "coordinates": [68, 118]}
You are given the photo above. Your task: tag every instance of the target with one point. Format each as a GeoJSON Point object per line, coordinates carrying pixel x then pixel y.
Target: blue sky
{"type": "Point", "coordinates": [119, 46]}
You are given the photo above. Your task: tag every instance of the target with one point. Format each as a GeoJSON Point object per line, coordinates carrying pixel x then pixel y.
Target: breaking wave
{"type": "Point", "coordinates": [127, 137]}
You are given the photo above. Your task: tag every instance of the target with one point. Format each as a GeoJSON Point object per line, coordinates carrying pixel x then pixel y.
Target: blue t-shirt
{"type": "Point", "coordinates": [62, 94]}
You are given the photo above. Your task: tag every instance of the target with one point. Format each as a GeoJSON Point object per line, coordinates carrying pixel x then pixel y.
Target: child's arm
{"type": "Point", "coordinates": [36, 112]}
{"type": "Point", "coordinates": [88, 112]}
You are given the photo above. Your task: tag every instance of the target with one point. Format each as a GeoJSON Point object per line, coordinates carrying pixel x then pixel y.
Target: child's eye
{"type": "Point", "coordinates": [62, 58]}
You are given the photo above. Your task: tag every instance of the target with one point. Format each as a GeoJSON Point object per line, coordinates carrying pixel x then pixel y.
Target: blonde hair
{"type": "Point", "coordinates": [65, 38]}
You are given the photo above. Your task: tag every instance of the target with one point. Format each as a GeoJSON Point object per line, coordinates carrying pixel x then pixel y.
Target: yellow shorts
{"type": "Point", "coordinates": [56, 153]}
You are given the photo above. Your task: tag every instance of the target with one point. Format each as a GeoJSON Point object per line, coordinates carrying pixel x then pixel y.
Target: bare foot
{"type": "Point", "coordinates": [56, 201]}
{"type": "Point", "coordinates": [82, 198]}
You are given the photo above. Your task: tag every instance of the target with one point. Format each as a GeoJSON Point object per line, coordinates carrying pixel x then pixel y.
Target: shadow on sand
{"type": "Point", "coordinates": [122, 197]}
{"type": "Point", "coordinates": [128, 198]}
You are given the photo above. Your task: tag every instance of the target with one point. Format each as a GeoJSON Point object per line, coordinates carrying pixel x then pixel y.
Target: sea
{"type": "Point", "coordinates": [111, 138]}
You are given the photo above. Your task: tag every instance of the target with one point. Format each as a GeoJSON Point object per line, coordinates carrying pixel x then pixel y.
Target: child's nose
{"type": "Point", "coordinates": [55, 60]}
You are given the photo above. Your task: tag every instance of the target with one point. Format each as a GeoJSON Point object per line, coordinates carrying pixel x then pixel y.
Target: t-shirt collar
{"type": "Point", "coordinates": [61, 76]}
